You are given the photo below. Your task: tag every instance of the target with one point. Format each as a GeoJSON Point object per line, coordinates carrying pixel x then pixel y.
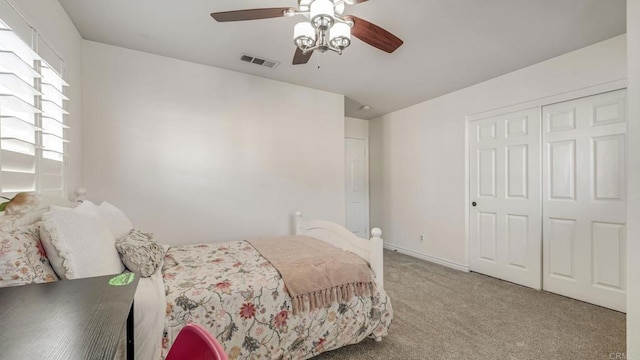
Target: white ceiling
{"type": "Point", "coordinates": [449, 44]}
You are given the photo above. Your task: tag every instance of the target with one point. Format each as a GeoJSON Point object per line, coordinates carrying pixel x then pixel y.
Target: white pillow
{"type": "Point", "coordinates": [79, 243]}
{"type": "Point", "coordinates": [118, 222]}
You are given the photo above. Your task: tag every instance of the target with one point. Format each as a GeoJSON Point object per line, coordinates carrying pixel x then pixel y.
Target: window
{"type": "Point", "coordinates": [53, 131]}
{"type": "Point", "coordinates": [32, 119]}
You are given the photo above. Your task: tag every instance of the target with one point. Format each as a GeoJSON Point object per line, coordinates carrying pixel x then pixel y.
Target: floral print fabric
{"type": "Point", "coordinates": [241, 299]}
{"type": "Point", "coordinates": [23, 259]}
{"type": "Point", "coordinates": [140, 253]}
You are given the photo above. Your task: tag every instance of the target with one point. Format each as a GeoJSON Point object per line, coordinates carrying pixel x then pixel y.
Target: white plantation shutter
{"type": "Point", "coordinates": [32, 119]}
{"type": "Point", "coordinates": [53, 131]}
{"type": "Point", "coordinates": [18, 111]}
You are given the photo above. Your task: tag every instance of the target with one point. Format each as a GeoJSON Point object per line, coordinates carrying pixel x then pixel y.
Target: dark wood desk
{"type": "Point", "coordinates": [67, 320]}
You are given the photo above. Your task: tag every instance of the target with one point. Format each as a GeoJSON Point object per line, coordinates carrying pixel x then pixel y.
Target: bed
{"type": "Point", "coordinates": [240, 297]}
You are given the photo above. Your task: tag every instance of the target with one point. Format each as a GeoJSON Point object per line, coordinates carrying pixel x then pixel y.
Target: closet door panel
{"type": "Point", "coordinates": [584, 192]}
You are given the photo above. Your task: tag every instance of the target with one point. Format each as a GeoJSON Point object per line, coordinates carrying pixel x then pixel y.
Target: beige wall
{"type": "Point", "coordinates": [356, 128]}
{"type": "Point", "coordinates": [418, 153]}
{"type": "Point", "coordinates": [195, 153]}
{"type": "Point", "coordinates": [633, 232]}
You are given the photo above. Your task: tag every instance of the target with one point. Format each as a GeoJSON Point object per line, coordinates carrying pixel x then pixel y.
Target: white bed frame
{"type": "Point", "coordinates": [340, 237]}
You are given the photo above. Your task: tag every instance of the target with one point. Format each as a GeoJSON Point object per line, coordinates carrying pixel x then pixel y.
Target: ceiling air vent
{"type": "Point", "coordinates": [271, 64]}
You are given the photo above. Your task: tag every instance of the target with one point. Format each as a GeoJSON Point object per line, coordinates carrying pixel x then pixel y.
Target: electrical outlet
{"type": "Point", "coordinates": [421, 238]}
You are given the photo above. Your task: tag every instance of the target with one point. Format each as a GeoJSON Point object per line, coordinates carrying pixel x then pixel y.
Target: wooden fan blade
{"type": "Point", "coordinates": [374, 35]}
{"type": "Point", "coordinates": [301, 58]}
{"type": "Point", "coordinates": [250, 14]}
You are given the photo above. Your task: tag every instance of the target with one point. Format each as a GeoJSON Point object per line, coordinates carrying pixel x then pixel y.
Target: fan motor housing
{"type": "Point", "coordinates": [306, 4]}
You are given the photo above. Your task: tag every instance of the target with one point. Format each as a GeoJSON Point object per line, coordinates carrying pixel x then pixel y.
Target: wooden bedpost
{"type": "Point", "coordinates": [297, 223]}
{"type": "Point", "coordinates": [376, 260]}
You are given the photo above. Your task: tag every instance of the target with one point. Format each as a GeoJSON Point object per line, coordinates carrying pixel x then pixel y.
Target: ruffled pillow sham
{"type": "Point", "coordinates": [140, 253]}
{"type": "Point", "coordinates": [79, 243]}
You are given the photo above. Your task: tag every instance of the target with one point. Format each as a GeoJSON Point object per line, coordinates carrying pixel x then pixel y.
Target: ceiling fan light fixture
{"type": "Point", "coordinates": [304, 35]}
{"type": "Point", "coordinates": [340, 36]}
{"type": "Point", "coordinates": [327, 29]}
{"type": "Point", "coordinates": [322, 14]}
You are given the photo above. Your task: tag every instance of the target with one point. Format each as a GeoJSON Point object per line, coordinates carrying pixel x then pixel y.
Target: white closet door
{"type": "Point", "coordinates": [356, 178]}
{"type": "Point", "coordinates": [505, 223]}
{"type": "Point", "coordinates": [584, 206]}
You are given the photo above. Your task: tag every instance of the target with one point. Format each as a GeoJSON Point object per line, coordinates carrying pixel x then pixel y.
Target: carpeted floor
{"type": "Point", "coordinates": [442, 313]}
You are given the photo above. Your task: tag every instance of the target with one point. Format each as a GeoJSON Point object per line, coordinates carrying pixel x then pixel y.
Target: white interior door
{"type": "Point", "coordinates": [584, 206]}
{"type": "Point", "coordinates": [505, 221]}
{"type": "Point", "coordinates": [357, 194]}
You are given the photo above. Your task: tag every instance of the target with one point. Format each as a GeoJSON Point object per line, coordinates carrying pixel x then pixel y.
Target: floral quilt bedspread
{"type": "Point", "coordinates": [233, 291]}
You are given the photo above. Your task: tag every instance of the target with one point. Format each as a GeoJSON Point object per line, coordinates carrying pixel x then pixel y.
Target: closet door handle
{"type": "Point", "coordinates": [474, 204]}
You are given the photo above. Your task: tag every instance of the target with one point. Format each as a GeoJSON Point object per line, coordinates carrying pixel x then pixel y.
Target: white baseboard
{"type": "Point", "coordinates": [433, 259]}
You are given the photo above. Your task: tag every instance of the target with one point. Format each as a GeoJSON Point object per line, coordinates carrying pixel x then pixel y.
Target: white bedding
{"type": "Point", "coordinates": [149, 307]}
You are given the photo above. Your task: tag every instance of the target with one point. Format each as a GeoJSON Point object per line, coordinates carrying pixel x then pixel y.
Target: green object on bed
{"type": "Point", "coordinates": [122, 279]}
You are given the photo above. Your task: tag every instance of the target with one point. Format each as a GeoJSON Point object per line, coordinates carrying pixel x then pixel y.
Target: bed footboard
{"type": "Point", "coordinates": [340, 237]}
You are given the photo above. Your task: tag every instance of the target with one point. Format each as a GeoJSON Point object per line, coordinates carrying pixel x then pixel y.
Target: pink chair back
{"type": "Point", "coordinates": [196, 343]}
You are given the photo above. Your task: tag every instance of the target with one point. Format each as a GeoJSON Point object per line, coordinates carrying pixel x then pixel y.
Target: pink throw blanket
{"type": "Point", "coordinates": [315, 273]}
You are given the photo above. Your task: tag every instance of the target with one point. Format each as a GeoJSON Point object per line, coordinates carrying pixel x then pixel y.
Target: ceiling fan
{"type": "Point", "coordinates": [326, 29]}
